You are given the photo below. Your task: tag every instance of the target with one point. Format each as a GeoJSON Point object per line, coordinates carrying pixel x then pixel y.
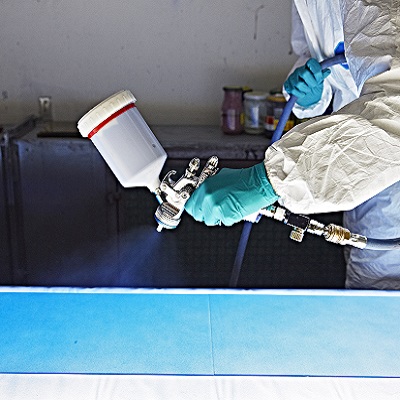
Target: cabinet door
{"type": "Point", "coordinates": [69, 213]}
{"type": "Point", "coordinates": [5, 257]}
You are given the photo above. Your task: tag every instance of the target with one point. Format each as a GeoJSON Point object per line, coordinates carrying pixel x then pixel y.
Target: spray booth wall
{"type": "Point", "coordinates": [174, 55]}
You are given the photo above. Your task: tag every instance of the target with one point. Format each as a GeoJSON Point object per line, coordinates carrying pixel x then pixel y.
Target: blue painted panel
{"type": "Point", "coordinates": [104, 333]}
{"type": "Point", "coordinates": [306, 335]}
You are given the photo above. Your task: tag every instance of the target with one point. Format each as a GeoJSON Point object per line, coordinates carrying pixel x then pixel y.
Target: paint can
{"type": "Point", "coordinates": [255, 112]}
{"type": "Point", "coordinates": [232, 116]}
{"type": "Point", "coordinates": [125, 141]}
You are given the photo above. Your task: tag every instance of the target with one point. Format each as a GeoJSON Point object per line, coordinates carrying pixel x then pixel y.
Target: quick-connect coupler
{"type": "Point", "coordinates": [337, 234]}
{"type": "Point", "coordinates": [173, 195]}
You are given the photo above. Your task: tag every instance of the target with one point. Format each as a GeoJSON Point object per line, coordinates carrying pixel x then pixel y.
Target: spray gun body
{"type": "Point", "coordinates": [173, 195]}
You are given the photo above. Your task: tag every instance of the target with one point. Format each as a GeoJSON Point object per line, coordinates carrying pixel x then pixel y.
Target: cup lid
{"type": "Point", "coordinates": [104, 110]}
{"type": "Point", "coordinates": [256, 95]}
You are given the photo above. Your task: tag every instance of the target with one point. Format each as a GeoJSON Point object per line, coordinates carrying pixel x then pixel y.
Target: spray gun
{"type": "Point", "coordinates": [172, 195]}
{"type": "Point", "coordinates": [136, 157]}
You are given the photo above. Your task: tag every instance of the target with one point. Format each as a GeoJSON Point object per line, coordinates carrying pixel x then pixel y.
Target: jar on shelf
{"type": "Point", "coordinates": [232, 117]}
{"type": "Point", "coordinates": [275, 105]}
{"type": "Point", "coordinates": [255, 112]}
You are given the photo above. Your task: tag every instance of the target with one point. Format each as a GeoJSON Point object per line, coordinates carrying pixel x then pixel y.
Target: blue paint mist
{"type": "Point", "coordinates": [139, 257]}
{"type": "Point", "coordinates": [148, 257]}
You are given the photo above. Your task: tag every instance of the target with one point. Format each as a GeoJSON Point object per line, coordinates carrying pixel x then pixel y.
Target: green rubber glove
{"type": "Point", "coordinates": [307, 83]}
{"type": "Point", "coordinates": [231, 195]}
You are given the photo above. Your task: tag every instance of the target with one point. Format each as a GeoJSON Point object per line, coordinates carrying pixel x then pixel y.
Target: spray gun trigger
{"type": "Point", "coordinates": [168, 177]}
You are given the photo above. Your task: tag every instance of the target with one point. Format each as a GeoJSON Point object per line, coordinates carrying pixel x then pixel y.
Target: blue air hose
{"type": "Point", "coordinates": [372, 244]}
{"type": "Point", "coordinates": [329, 62]}
{"type": "Point", "coordinates": [382, 244]}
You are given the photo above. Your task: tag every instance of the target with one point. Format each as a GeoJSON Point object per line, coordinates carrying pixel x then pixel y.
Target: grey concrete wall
{"type": "Point", "coordinates": [174, 55]}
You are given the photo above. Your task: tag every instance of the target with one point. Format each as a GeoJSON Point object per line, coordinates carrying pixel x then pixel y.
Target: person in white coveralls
{"type": "Point", "coordinates": [346, 161]}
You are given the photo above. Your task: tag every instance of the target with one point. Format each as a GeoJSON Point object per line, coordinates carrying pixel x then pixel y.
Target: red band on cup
{"type": "Point", "coordinates": [110, 118]}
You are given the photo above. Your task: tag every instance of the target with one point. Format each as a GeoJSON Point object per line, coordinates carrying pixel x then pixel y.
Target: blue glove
{"type": "Point", "coordinates": [231, 195]}
{"type": "Point", "coordinates": [307, 83]}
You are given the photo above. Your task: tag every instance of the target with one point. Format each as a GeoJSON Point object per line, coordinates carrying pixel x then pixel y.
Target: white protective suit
{"type": "Point", "coordinates": [350, 160]}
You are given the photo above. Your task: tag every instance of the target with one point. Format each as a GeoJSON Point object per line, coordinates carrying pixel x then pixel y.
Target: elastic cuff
{"type": "Point", "coordinates": [265, 187]}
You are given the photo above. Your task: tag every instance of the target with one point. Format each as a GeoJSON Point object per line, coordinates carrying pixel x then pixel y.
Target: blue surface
{"type": "Point", "coordinates": [289, 333]}
{"type": "Point", "coordinates": [104, 333]}
{"type": "Point", "coordinates": [306, 335]}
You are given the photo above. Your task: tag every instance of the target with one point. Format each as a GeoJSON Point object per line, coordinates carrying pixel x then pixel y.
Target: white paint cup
{"type": "Point", "coordinates": [125, 141]}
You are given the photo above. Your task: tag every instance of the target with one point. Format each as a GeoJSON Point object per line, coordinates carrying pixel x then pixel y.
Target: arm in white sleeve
{"type": "Point", "coordinates": [302, 47]}
{"type": "Point", "coordinates": [316, 37]}
{"type": "Point", "coordinates": [337, 162]}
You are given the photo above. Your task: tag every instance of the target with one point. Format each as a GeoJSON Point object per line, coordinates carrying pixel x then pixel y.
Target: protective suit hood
{"type": "Point", "coordinates": [373, 47]}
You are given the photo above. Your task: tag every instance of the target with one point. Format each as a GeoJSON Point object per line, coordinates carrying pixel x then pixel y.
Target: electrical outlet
{"type": "Point", "coordinates": [45, 108]}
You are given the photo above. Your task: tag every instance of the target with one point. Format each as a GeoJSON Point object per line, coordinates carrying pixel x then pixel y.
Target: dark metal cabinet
{"type": "Point", "coordinates": [74, 225]}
